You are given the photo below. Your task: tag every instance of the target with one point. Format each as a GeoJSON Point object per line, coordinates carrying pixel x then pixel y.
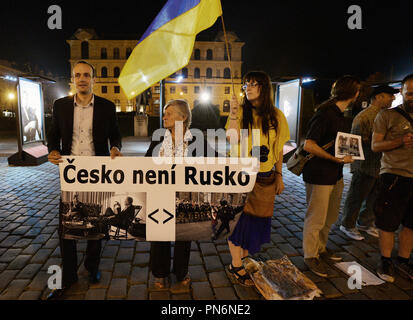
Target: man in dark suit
{"type": "Point", "coordinates": [82, 125]}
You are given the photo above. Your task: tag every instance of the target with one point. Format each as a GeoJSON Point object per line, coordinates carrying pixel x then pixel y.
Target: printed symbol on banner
{"type": "Point", "coordinates": [171, 216]}
{"type": "Point", "coordinates": [150, 216]}
{"type": "Point", "coordinates": [70, 160]}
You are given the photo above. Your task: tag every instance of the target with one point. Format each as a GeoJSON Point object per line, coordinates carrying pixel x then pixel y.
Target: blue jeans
{"type": "Point", "coordinates": [360, 200]}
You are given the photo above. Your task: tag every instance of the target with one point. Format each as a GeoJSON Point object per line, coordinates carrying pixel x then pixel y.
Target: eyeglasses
{"type": "Point", "coordinates": [252, 85]}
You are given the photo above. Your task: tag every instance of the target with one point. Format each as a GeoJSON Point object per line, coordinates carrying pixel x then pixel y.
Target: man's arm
{"type": "Point", "coordinates": [378, 143]}
{"type": "Point", "coordinates": [312, 147]}
{"type": "Point", "coordinates": [381, 126]}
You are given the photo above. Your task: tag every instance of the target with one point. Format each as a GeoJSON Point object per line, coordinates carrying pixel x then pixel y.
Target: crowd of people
{"type": "Point", "coordinates": [382, 185]}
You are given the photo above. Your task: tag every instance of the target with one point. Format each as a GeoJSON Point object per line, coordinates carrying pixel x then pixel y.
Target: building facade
{"type": "Point", "coordinates": [207, 76]}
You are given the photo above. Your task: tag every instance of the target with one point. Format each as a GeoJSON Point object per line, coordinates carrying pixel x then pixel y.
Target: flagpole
{"type": "Point", "coordinates": [228, 53]}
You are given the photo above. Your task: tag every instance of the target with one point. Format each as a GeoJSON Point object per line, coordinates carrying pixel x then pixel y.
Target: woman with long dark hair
{"type": "Point", "coordinates": [256, 112]}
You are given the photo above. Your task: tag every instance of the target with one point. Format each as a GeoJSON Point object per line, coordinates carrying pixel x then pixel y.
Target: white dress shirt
{"type": "Point", "coordinates": [82, 139]}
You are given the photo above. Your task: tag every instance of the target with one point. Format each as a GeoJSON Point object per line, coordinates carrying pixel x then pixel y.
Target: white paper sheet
{"type": "Point", "coordinates": [367, 278]}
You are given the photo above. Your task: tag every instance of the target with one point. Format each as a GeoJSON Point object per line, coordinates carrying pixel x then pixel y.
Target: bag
{"type": "Point", "coordinates": [298, 160]}
{"type": "Point", "coordinates": [260, 201]}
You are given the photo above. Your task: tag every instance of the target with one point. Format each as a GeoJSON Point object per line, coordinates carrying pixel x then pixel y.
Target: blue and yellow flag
{"type": "Point", "coordinates": [167, 45]}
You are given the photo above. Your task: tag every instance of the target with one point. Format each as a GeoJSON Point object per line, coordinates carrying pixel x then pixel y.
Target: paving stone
{"type": "Point", "coordinates": [33, 232]}
{"type": "Point", "coordinates": [223, 248]}
{"type": "Point", "coordinates": [106, 264]}
{"type": "Point", "coordinates": [9, 241]}
{"type": "Point", "coordinates": [208, 249]}
{"type": "Point", "coordinates": [299, 235]}
{"type": "Point", "coordinates": [197, 273]}
{"type": "Point", "coordinates": [6, 277]}
{"type": "Point", "coordinates": [299, 263]}
{"type": "Point", "coordinates": [10, 227]}
{"type": "Point", "coordinates": [219, 279]}
{"type": "Point", "coordinates": [3, 266]}
{"type": "Point", "coordinates": [275, 253]}
{"type": "Point", "coordinates": [14, 289]}
{"type": "Point", "coordinates": [95, 294]}
{"type": "Point", "coordinates": [403, 283]}
{"type": "Point", "coordinates": [19, 262]}
{"type": "Point", "coordinates": [110, 251]}
{"type": "Point", "coordinates": [296, 243]}
{"type": "Point", "coordinates": [246, 293]}
{"type": "Point", "coordinates": [373, 292]}
{"type": "Point", "coordinates": [125, 254]}
{"type": "Point", "coordinates": [56, 252]}
{"type": "Point", "coordinates": [226, 258]}
{"type": "Point", "coordinates": [194, 246]}
{"type": "Point", "coordinates": [51, 244]}
{"type": "Point", "coordinates": [267, 246]}
{"type": "Point", "coordinates": [137, 292]}
{"type": "Point", "coordinates": [287, 249]}
{"type": "Point", "coordinates": [128, 244]}
{"type": "Point", "coordinates": [159, 295]}
{"type": "Point", "coordinates": [143, 246]}
{"type": "Point", "coordinates": [30, 295]}
{"type": "Point", "coordinates": [184, 296]}
{"type": "Point", "coordinates": [202, 291]}
{"type": "Point", "coordinates": [276, 238]}
{"type": "Point", "coordinates": [356, 252]}
{"type": "Point", "coordinates": [104, 281]}
{"type": "Point", "coordinates": [22, 243]}
{"type": "Point", "coordinates": [10, 255]}
{"type": "Point", "coordinates": [39, 283]}
{"type": "Point", "coordinates": [41, 256]}
{"type": "Point", "coordinates": [78, 288]}
{"type": "Point", "coordinates": [394, 292]}
{"type": "Point", "coordinates": [32, 248]}
{"type": "Point", "coordinates": [3, 235]}
{"type": "Point", "coordinates": [122, 270]}
{"type": "Point", "coordinates": [356, 296]}
{"type": "Point", "coordinates": [284, 232]}
{"type": "Point", "coordinates": [41, 238]}
{"type": "Point", "coordinates": [141, 259]}
{"type": "Point", "coordinates": [226, 293]}
{"type": "Point", "coordinates": [118, 288]}
{"type": "Point", "coordinates": [329, 291]}
{"type": "Point", "coordinates": [195, 258]}
{"type": "Point", "coordinates": [313, 277]}
{"type": "Point", "coordinates": [213, 263]}
{"type": "Point", "coordinates": [293, 228]}
{"type": "Point", "coordinates": [338, 240]}
{"type": "Point", "coordinates": [29, 271]}
{"type": "Point", "coordinates": [342, 285]}
{"type": "Point", "coordinates": [139, 275]}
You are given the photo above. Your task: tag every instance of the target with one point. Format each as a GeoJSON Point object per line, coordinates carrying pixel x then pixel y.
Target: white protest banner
{"type": "Point", "coordinates": [153, 199]}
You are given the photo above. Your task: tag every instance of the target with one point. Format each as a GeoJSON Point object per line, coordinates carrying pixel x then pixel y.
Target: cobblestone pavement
{"type": "Point", "coordinates": [29, 245]}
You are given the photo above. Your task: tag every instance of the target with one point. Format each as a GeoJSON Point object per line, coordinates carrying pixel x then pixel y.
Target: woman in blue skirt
{"type": "Point", "coordinates": [256, 111]}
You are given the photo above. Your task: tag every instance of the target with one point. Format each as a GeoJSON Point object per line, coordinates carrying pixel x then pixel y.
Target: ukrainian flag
{"type": "Point", "coordinates": [167, 45]}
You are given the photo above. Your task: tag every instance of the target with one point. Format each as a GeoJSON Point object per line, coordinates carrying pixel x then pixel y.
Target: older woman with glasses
{"type": "Point", "coordinates": [173, 144]}
{"type": "Point", "coordinates": [256, 111]}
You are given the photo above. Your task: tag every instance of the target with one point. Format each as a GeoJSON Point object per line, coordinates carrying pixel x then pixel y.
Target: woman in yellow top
{"type": "Point", "coordinates": [256, 111]}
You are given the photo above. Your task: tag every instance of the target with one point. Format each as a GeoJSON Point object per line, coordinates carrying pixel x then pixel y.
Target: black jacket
{"type": "Point", "coordinates": [105, 126]}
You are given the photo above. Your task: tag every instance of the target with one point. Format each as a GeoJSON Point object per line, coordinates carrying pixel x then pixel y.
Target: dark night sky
{"type": "Point", "coordinates": [284, 38]}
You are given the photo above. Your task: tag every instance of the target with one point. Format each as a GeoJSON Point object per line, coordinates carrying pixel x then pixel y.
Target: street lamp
{"type": "Point", "coordinates": [11, 96]}
{"type": "Point", "coordinates": [205, 97]}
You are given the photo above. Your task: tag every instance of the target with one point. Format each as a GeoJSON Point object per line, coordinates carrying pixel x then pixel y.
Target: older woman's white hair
{"type": "Point", "coordinates": [183, 108]}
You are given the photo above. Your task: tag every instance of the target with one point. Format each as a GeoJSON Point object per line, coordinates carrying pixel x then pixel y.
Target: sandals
{"type": "Point", "coordinates": [159, 283]}
{"type": "Point", "coordinates": [183, 286]}
{"type": "Point", "coordinates": [244, 279]}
